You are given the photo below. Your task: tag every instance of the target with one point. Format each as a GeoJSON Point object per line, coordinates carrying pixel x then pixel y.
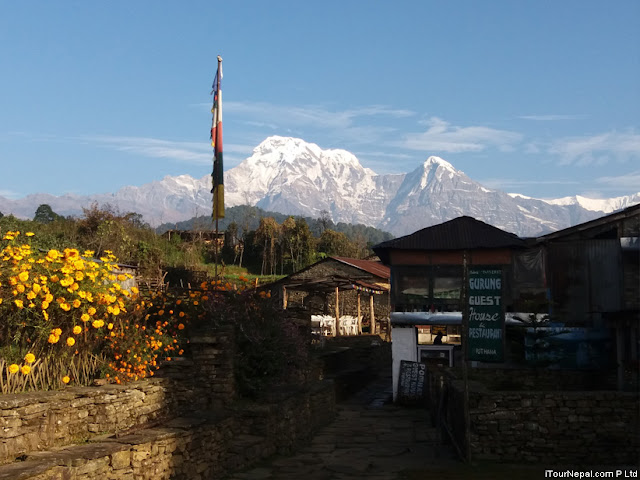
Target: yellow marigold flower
{"type": "Point", "coordinates": [77, 329]}
{"type": "Point", "coordinates": [53, 338]}
{"type": "Point", "coordinates": [91, 311]}
{"type": "Point", "coordinates": [65, 306]}
{"type": "Point", "coordinates": [29, 234]}
{"type": "Point", "coordinates": [116, 310]}
{"type": "Point", "coordinates": [134, 290]}
{"type": "Point", "coordinates": [66, 379]}
{"type": "Point", "coordinates": [78, 264]}
{"type": "Point", "coordinates": [74, 286]}
{"type": "Point", "coordinates": [31, 295]}
{"type": "Point", "coordinates": [121, 278]}
{"type": "Point", "coordinates": [48, 298]}
{"type": "Point", "coordinates": [79, 276]}
{"type": "Point", "coordinates": [85, 317]}
{"type": "Point", "coordinates": [44, 305]}
{"type": "Point", "coordinates": [76, 303]}
{"type": "Point", "coordinates": [54, 278]}
{"type": "Point", "coordinates": [181, 314]}
{"type": "Point", "coordinates": [71, 252]}
{"type": "Point", "coordinates": [45, 315]}
{"type": "Point", "coordinates": [0, 300]}
{"type": "Point", "coordinates": [66, 281]}
{"type": "Point", "coordinates": [29, 358]}
{"type": "Point", "coordinates": [26, 369]}
{"type": "Point", "coordinates": [19, 303]}
{"type": "Point", "coordinates": [20, 288]}
{"type": "Point", "coordinates": [36, 288]}
{"type": "Point", "coordinates": [181, 326]}
{"type": "Point", "coordinates": [13, 368]}
{"type": "Point", "coordinates": [110, 326]}
{"type": "Point", "coordinates": [23, 276]}
{"type": "Point", "coordinates": [97, 323]}
{"type": "Point", "coordinates": [71, 341]}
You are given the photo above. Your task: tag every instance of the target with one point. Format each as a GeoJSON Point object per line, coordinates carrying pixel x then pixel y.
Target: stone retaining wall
{"type": "Point", "coordinates": [548, 427]}
{"type": "Point", "coordinates": [204, 446]}
{"type": "Point", "coordinates": [37, 421]}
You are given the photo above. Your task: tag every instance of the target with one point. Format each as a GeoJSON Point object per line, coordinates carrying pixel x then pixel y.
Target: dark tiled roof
{"type": "Point", "coordinates": [369, 266]}
{"type": "Point", "coordinates": [462, 233]}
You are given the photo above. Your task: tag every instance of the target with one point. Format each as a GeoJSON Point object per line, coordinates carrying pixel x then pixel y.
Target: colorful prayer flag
{"type": "Point", "coordinates": [216, 142]}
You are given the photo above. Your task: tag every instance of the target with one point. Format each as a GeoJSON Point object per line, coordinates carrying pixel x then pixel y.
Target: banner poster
{"type": "Point", "coordinates": [486, 314]}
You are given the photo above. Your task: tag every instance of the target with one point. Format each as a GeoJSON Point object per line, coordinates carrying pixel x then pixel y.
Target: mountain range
{"type": "Point", "coordinates": [291, 176]}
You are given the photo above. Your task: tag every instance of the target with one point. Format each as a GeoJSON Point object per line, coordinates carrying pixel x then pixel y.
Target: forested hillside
{"type": "Point", "coordinates": [255, 241]}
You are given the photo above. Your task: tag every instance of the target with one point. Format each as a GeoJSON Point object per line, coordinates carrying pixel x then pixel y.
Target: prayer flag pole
{"type": "Point", "coordinates": [217, 178]}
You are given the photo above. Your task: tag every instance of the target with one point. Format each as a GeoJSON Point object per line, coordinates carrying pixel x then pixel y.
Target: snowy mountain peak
{"type": "Point", "coordinates": [606, 205]}
{"type": "Point", "coordinates": [291, 176]}
{"type": "Point", "coordinates": [435, 162]}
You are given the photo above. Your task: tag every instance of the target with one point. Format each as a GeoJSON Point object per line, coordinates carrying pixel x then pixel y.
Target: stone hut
{"type": "Point", "coordinates": [360, 286]}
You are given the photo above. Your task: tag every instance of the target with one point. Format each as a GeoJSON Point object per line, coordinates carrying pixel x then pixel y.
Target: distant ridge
{"type": "Point", "coordinates": [294, 177]}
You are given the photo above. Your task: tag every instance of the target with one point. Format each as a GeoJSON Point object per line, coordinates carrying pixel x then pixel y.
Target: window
{"type": "Point", "coordinates": [426, 288]}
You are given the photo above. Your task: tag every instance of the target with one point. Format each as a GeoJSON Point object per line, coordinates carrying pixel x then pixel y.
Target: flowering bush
{"type": "Point", "coordinates": [69, 310]}
{"type": "Point", "coordinates": [67, 319]}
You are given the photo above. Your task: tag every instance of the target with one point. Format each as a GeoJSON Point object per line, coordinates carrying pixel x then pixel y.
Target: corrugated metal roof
{"type": "Point", "coordinates": [462, 233]}
{"type": "Point", "coordinates": [369, 266]}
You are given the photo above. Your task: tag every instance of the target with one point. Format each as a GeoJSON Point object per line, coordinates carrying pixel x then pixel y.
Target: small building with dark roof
{"type": "Point", "coordinates": [427, 266]}
{"type": "Point", "coordinates": [338, 286]}
{"type": "Point", "coordinates": [579, 287]}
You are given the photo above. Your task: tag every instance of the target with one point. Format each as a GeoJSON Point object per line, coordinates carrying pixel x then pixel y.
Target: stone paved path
{"type": "Point", "coordinates": [370, 438]}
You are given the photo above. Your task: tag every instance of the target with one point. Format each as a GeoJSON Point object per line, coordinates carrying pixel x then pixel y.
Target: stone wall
{"type": "Point", "coordinates": [187, 422]}
{"type": "Point", "coordinates": [210, 444]}
{"type": "Point", "coordinates": [550, 427]}
{"type": "Point", "coordinates": [38, 421]}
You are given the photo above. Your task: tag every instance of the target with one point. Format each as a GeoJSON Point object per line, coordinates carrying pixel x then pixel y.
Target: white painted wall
{"type": "Point", "coordinates": [403, 347]}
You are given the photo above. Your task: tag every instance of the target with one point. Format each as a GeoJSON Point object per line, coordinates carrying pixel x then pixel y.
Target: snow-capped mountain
{"type": "Point", "coordinates": [291, 176]}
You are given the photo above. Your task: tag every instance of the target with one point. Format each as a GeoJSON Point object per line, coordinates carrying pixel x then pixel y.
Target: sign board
{"type": "Point", "coordinates": [411, 382]}
{"type": "Point", "coordinates": [486, 314]}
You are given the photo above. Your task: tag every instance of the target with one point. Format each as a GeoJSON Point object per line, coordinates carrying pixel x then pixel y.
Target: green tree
{"type": "Point", "coordinates": [267, 236]}
{"type": "Point", "coordinates": [44, 214]}
{"type": "Point", "coordinates": [298, 241]}
{"type": "Point", "coordinates": [336, 243]}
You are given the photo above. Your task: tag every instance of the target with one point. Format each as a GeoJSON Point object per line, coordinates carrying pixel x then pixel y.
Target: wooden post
{"type": "Point", "coordinates": [359, 316]}
{"type": "Point", "coordinates": [337, 313]}
{"type": "Point", "coordinates": [620, 355]}
{"type": "Point", "coordinates": [465, 363]}
{"type": "Point", "coordinates": [373, 318]}
{"type": "Point", "coordinates": [284, 297]}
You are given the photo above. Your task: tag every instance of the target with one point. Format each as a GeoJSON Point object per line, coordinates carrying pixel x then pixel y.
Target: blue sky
{"type": "Point", "coordinates": [536, 97]}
